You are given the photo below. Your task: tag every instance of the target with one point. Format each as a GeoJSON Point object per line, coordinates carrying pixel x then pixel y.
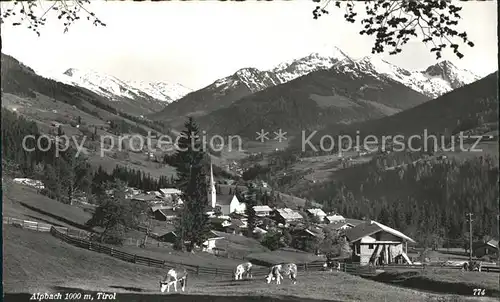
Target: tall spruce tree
{"type": "Point", "coordinates": [250, 199]}
{"type": "Point", "coordinates": [192, 224]}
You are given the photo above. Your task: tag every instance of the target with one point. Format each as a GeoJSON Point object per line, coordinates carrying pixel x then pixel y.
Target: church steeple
{"type": "Point", "coordinates": [212, 194]}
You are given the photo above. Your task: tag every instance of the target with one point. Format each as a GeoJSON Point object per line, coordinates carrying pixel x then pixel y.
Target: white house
{"type": "Point", "coordinates": [318, 213]}
{"type": "Point", "coordinates": [335, 218]}
{"type": "Point", "coordinates": [286, 215]}
{"type": "Point", "coordinates": [262, 211]}
{"type": "Point", "coordinates": [210, 243]}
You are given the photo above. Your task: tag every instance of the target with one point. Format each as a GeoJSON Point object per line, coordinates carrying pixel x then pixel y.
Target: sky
{"type": "Point", "coordinates": [196, 42]}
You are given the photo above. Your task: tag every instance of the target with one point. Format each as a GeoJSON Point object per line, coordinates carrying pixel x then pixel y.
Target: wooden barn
{"type": "Point", "coordinates": [375, 243]}
{"type": "Point", "coordinates": [489, 248]}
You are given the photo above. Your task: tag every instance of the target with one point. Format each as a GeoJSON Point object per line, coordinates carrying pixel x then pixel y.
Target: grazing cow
{"type": "Point", "coordinates": [331, 265]}
{"type": "Point", "coordinates": [241, 269]}
{"type": "Point", "coordinates": [472, 266]}
{"type": "Point", "coordinates": [277, 272]}
{"type": "Point", "coordinates": [172, 277]}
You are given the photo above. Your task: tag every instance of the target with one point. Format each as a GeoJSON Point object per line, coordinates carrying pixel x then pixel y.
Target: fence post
{"type": "Point", "coordinates": [90, 245]}
{"type": "Point", "coordinates": [135, 258]}
{"type": "Point", "coordinates": [111, 252]}
{"type": "Point", "coordinates": [216, 271]}
{"type": "Point", "coordinates": [37, 227]}
{"type": "Point", "coordinates": [197, 270]}
{"type": "Point", "coordinates": [164, 263]}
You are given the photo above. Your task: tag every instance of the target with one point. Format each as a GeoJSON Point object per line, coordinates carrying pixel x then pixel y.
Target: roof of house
{"type": "Point", "coordinates": [372, 227]}
{"type": "Point", "coordinates": [224, 199]}
{"type": "Point", "coordinates": [335, 217]}
{"type": "Point", "coordinates": [169, 233]}
{"type": "Point", "coordinates": [145, 197]}
{"type": "Point", "coordinates": [316, 212]}
{"type": "Point", "coordinates": [168, 191]}
{"type": "Point", "coordinates": [287, 213]}
{"type": "Point", "coordinates": [214, 236]}
{"type": "Point", "coordinates": [224, 189]}
{"type": "Point", "coordinates": [167, 212]}
{"type": "Point", "coordinates": [493, 243]}
{"type": "Point", "coordinates": [237, 222]}
{"type": "Point", "coordinates": [353, 222]}
{"type": "Point", "coordinates": [262, 209]}
{"type": "Point", "coordinates": [159, 207]}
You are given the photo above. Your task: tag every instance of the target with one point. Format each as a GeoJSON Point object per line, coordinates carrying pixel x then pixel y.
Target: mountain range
{"type": "Point", "coordinates": [431, 82]}
{"type": "Point", "coordinates": [308, 92]}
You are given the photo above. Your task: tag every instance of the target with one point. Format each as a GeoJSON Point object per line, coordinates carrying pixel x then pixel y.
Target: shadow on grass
{"type": "Point", "coordinates": [128, 288]}
{"type": "Point", "coordinates": [62, 219]}
{"type": "Point", "coordinates": [45, 220]}
{"type": "Point", "coordinates": [416, 281]}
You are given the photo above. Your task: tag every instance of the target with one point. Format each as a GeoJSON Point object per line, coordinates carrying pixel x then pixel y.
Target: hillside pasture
{"type": "Point", "coordinates": [38, 262]}
{"type": "Point", "coordinates": [484, 148]}
{"type": "Point", "coordinates": [283, 256]}
{"type": "Point", "coordinates": [24, 202]}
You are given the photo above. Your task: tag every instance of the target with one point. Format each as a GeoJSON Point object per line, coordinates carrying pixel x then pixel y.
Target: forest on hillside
{"type": "Point", "coordinates": [428, 199]}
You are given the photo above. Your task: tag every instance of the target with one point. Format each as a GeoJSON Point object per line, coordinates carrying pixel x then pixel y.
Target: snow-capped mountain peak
{"type": "Point", "coordinates": [448, 72]}
{"type": "Point", "coordinates": [320, 60]}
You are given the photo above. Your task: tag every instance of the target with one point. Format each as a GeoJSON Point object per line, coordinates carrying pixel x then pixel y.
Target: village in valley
{"type": "Point", "coordinates": [266, 185]}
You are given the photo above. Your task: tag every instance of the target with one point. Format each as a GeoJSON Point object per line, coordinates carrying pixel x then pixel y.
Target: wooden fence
{"type": "Point", "coordinates": [80, 238]}
{"type": "Point", "coordinates": [44, 227]}
{"type": "Point", "coordinates": [389, 267]}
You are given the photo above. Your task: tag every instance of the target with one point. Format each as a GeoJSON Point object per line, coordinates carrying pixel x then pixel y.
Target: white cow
{"type": "Point", "coordinates": [173, 276]}
{"type": "Point", "coordinates": [279, 270]}
{"type": "Point", "coordinates": [241, 269]}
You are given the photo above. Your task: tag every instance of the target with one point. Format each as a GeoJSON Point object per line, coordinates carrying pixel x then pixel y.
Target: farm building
{"type": "Point", "coordinates": [286, 216]}
{"type": "Point", "coordinates": [317, 213]}
{"type": "Point", "coordinates": [149, 198]}
{"type": "Point", "coordinates": [336, 218]}
{"type": "Point", "coordinates": [262, 211]}
{"type": "Point", "coordinates": [373, 242]}
{"type": "Point", "coordinates": [219, 223]}
{"type": "Point", "coordinates": [170, 237]}
{"type": "Point", "coordinates": [210, 243]}
{"type": "Point", "coordinates": [171, 195]}
{"type": "Point", "coordinates": [489, 248]}
{"type": "Point", "coordinates": [163, 213]}
{"type": "Point", "coordinates": [237, 227]}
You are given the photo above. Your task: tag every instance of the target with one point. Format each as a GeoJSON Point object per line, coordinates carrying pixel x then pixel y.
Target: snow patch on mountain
{"type": "Point", "coordinates": [167, 92]}
{"type": "Point", "coordinates": [321, 60]}
{"type": "Point", "coordinates": [102, 84]}
{"type": "Point", "coordinates": [435, 81]}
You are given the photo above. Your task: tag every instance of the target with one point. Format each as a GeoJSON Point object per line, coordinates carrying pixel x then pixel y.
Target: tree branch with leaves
{"type": "Point", "coordinates": [395, 23]}
{"type": "Point", "coordinates": [34, 16]}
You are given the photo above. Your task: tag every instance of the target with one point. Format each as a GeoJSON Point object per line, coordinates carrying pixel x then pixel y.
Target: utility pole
{"type": "Point", "coordinates": [469, 215]}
